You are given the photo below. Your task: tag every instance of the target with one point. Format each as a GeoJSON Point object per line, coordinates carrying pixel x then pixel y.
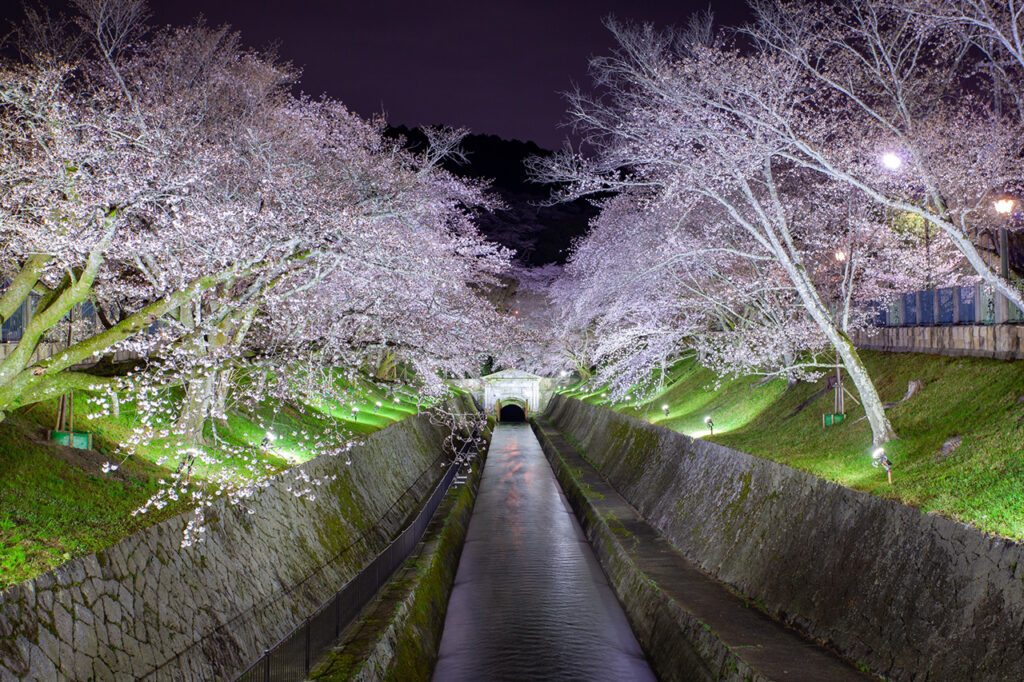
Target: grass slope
{"type": "Point", "coordinates": [57, 504]}
{"type": "Point", "coordinates": [981, 401]}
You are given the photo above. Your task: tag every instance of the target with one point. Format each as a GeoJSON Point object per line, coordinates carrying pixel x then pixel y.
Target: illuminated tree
{"type": "Point", "coordinates": [684, 118]}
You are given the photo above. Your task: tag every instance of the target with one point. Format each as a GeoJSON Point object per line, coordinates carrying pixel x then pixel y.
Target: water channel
{"type": "Point", "coordinates": [530, 600]}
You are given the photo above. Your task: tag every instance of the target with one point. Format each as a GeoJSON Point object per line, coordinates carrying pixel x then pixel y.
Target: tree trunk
{"type": "Point", "coordinates": [881, 429]}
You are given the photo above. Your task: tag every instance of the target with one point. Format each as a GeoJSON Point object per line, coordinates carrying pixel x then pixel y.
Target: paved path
{"type": "Point", "coordinates": [530, 600]}
{"type": "Point", "coordinates": [767, 646]}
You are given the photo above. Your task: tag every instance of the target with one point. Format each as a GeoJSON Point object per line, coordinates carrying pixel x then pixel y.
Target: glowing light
{"type": "Point", "coordinates": [891, 161]}
{"type": "Point", "coordinates": [840, 256]}
{"type": "Point", "coordinates": [271, 437]}
{"type": "Point", "coordinates": [1004, 206]}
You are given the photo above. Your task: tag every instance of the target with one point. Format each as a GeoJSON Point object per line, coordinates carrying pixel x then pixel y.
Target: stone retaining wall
{"type": "Point", "coordinates": [398, 636]}
{"type": "Point", "coordinates": [912, 596]}
{"type": "Point", "coordinates": [999, 341]}
{"type": "Point", "coordinates": [145, 608]}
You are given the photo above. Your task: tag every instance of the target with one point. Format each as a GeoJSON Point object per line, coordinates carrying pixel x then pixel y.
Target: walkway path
{"type": "Point", "coordinates": [530, 600]}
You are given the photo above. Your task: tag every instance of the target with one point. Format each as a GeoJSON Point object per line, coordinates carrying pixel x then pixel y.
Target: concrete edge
{"type": "Point", "coordinates": [678, 645]}
{"type": "Point", "coordinates": [398, 635]}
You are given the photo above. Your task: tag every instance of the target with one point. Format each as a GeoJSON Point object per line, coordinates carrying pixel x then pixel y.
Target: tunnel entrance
{"type": "Point", "coordinates": [511, 413]}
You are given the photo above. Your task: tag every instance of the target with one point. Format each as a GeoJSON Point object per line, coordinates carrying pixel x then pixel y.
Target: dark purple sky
{"type": "Point", "coordinates": [494, 66]}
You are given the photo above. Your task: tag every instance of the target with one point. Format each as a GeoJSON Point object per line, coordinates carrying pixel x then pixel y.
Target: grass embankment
{"type": "Point", "coordinates": [56, 503]}
{"type": "Point", "coordinates": [981, 401]}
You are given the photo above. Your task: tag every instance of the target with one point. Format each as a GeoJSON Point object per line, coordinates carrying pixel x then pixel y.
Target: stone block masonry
{"type": "Point", "coordinates": [999, 341]}
{"type": "Point", "coordinates": [911, 596]}
{"type": "Point", "coordinates": [146, 609]}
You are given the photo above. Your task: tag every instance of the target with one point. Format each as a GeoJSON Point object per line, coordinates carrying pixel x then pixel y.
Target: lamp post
{"type": "Point", "coordinates": [664, 408]}
{"type": "Point", "coordinates": [1004, 207]}
{"type": "Point", "coordinates": [710, 424]}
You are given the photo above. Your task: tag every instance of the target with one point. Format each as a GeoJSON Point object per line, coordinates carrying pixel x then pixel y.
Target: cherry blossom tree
{"type": "Point", "coordinates": [889, 80]}
{"type": "Point", "coordinates": [687, 116]}
{"type": "Point", "coordinates": [993, 30]}
{"type": "Point", "coordinates": [251, 245]}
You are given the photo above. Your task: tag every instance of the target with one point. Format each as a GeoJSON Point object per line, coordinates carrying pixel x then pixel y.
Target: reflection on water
{"type": "Point", "coordinates": [530, 601]}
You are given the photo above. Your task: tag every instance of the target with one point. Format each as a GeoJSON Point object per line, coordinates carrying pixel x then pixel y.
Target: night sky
{"type": "Point", "coordinates": [494, 66]}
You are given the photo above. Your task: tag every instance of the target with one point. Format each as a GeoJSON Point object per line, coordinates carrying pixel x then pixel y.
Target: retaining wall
{"type": "Point", "coordinates": [999, 341]}
{"type": "Point", "coordinates": [398, 636]}
{"type": "Point", "coordinates": [910, 595]}
{"type": "Point", "coordinates": [145, 608]}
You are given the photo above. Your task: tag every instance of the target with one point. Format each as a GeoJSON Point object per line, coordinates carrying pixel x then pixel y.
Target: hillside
{"type": "Point", "coordinates": [960, 451]}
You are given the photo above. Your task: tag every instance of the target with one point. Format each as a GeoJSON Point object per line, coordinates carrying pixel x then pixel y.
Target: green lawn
{"type": "Point", "coordinates": [56, 503]}
{"type": "Point", "coordinates": [981, 401]}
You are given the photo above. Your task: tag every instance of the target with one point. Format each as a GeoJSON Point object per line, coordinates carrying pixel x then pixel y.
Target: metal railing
{"type": "Point", "coordinates": [292, 656]}
{"type": "Point", "coordinates": [168, 669]}
{"type": "Point", "coordinates": [975, 304]}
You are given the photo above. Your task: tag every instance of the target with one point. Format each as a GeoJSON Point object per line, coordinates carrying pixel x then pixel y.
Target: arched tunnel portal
{"type": "Point", "coordinates": [512, 410]}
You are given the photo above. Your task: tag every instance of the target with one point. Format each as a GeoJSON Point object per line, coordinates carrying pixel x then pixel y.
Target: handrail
{"type": "Point", "coordinates": [328, 621]}
{"type": "Point", "coordinates": [277, 594]}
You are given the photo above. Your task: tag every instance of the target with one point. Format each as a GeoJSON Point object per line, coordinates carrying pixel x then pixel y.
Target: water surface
{"type": "Point", "coordinates": [530, 601]}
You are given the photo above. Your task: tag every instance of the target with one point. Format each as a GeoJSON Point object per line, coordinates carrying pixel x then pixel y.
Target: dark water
{"type": "Point", "coordinates": [530, 601]}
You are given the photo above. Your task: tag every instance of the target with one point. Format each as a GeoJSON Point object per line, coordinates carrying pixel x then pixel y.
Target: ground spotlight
{"type": "Point", "coordinates": [878, 459]}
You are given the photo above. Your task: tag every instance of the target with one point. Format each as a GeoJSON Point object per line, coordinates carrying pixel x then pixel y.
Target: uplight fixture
{"type": "Point", "coordinates": [878, 459]}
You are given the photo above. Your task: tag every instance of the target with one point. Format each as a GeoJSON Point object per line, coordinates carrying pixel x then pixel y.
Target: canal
{"type": "Point", "coordinates": [530, 600]}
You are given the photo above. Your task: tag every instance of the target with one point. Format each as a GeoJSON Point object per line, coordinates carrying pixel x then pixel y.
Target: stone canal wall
{"type": "Point", "coordinates": [398, 635]}
{"type": "Point", "coordinates": [909, 595]}
{"type": "Point", "coordinates": [145, 608]}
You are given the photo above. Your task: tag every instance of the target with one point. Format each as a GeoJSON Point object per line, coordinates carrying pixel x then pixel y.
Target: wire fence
{"type": "Point", "coordinates": [292, 657]}
{"type": "Point", "coordinates": [975, 304]}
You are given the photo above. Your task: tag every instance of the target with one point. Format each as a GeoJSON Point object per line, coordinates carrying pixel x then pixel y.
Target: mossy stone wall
{"type": "Point", "coordinates": [912, 596]}
{"type": "Point", "coordinates": [145, 608]}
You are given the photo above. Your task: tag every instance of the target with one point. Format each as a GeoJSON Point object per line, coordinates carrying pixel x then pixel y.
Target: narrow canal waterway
{"type": "Point", "coordinates": [530, 600]}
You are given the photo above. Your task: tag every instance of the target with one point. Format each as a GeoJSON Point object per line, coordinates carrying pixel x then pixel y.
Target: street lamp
{"type": "Point", "coordinates": [1004, 207]}
{"type": "Point", "coordinates": [376, 406]}
{"type": "Point", "coordinates": [664, 408]}
{"type": "Point", "coordinates": [710, 424]}
{"type": "Point", "coordinates": [355, 413]}
{"type": "Point", "coordinates": [891, 161]}
{"type": "Point", "coordinates": [840, 256]}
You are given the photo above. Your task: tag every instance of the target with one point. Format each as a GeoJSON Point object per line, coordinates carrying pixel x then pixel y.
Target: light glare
{"type": "Point", "coordinates": [891, 161]}
{"type": "Point", "coordinates": [1004, 206]}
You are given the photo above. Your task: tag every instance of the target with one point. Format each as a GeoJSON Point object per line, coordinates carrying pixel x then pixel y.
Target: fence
{"type": "Point", "coordinates": [291, 658]}
{"type": "Point", "coordinates": [976, 304]}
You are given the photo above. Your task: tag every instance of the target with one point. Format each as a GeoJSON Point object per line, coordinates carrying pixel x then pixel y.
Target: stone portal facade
{"type": "Point", "coordinates": [529, 391]}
